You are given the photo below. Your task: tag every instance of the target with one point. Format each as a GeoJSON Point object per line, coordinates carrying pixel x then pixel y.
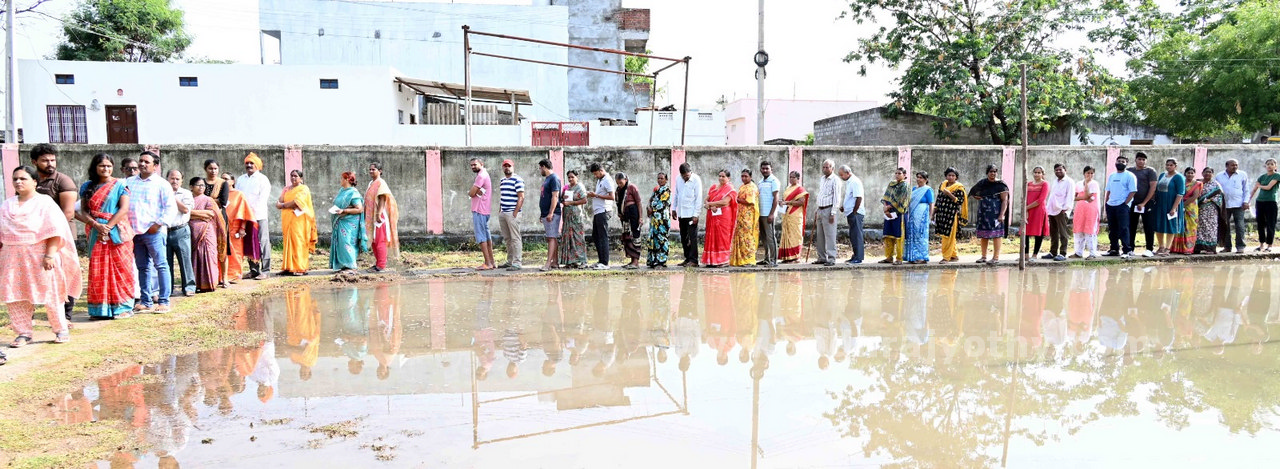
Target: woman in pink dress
{"type": "Point", "coordinates": [38, 263]}
{"type": "Point", "coordinates": [1084, 223]}
{"type": "Point", "coordinates": [1037, 224]}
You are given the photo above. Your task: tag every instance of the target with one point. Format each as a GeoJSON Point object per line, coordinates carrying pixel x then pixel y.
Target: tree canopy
{"type": "Point", "coordinates": [961, 62]}
{"type": "Point", "coordinates": [124, 31]}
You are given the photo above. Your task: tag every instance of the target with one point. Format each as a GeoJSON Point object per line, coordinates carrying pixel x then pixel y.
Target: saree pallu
{"type": "Point", "coordinates": [216, 189]}
{"type": "Point", "coordinates": [659, 225]}
{"type": "Point", "coordinates": [1185, 242]}
{"type": "Point", "coordinates": [347, 237]}
{"type": "Point", "coordinates": [240, 217]}
{"type": "Point", "coordinates": [298, 227]}
{"type": "Point", "coordinates": [111, 268]}
{"type": "Point", "coordinates": [917, 248]}
{"type": "Point", "coordinates": [381, 217]}
{"type": "Point", "coordinates": [793, 224]}
{"type": "Point", "coordinates": [630, 221]}
{"type": "Point", "coordinates": [573, 237]}
{"type": "Point", "coordinates": [718, 244]}
{"type": "Point", "coordinates": [949, 216]}
{"type": "Point", "coordinates": [1211, 214]}
{"type": "Point", "coordinates": [746, 231]}
{"type": "Point", "coordinates": [896, 196]}
{"type": "Point", "coordinates": [204, 244]}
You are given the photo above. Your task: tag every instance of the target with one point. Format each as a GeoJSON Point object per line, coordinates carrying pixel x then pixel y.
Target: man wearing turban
{"type": "Point", "coordinates": [256, 188]}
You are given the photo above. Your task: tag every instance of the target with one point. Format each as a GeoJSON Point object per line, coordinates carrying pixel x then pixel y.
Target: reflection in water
{"type": "Point", "coordinates": [916, 368]}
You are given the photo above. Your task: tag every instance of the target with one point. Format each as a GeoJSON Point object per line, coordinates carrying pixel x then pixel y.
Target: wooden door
{"type": "Point", "coordinates": [122, 124]}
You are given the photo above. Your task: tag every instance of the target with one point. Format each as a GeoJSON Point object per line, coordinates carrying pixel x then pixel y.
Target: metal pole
{"type": "Point", "coordinates": [653, 105]}
{"type": "Point", "coordinates": [760, 85]}
{"type": "Point", "coordinates": [466, 66]}
{"type": "Point", "coordinates": [684, 111]}
{"type": "Point", "coordinates": [1022, 259]}
{"type": "Point", "coordinates": [10, 129]}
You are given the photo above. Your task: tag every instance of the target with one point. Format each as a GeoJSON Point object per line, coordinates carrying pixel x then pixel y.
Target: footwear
{"type": "Point", "coordinates": [852, 262]}
{"type": "Point", "coordinates": [1111, 254]}
{"type": "Point", "coordinates": [994, 260]}
{"type": "Point", "coordinates": [981, 260]}
{"type": "Point", "coordinates": [62, 337]}
{"type": "Point", "coordinates": [161, 309]}
{"type": "Point", "coordinates": [141, 308]}
{"type": "Point", "coordinates": [504, 265]}
{"type": "Point", "coordinates": [1075, 256]}
{"type": "Point", "coordinates": [944, 261]}
{"type": "Point", "coordinates": [600, 267]}
{"type": "Point", "coordinates": [828, 263]}
{"type": "Point", "coordinates": [631, 267]}
{"type": "Point", "coordinates": [762, 263]}
{"type": "Point", "coordinates": [1048, 256]}
{"type": "Point", "coordinates": [1059, 258]}
{"type": "Point", "coordinates": [1092, 257]}
{"type": "Point", "coordinates": [1148, 253]}
{"type": "Point", "coordinates": [261, 277]}
{"type": "Point", "coordinates": [1126, 256]}
{"type": "Point", "coordinates": [514, 267]}
{"type": "Point", "coordinates": [818, 262]}
{"type": "Point", "coordinates": [3, 359]}
{"type": "Point", "coordinates": [20, 341]}
{"type": "Point", "coordinates": [885, 261]}
{"type": "Point", "coordinates": [124, 315]}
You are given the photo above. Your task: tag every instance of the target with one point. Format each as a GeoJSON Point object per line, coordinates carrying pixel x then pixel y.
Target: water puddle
{"type": "Point", "coordinates": [1171, 366]}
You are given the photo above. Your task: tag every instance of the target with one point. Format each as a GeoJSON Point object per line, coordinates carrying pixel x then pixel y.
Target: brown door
{"type": "Point", "coordinates": [122, 124]}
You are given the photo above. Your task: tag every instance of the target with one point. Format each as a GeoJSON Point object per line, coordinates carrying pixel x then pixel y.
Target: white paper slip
{"type": "Point", "coordinates": [715, 212]}
{"type": "Point", "coordinates": [1139, 209]}
{"type": "Point", "coordinates": [297, 212]}
{"type": "Point", "coordinates": [1172, 216]}
{"type": "Point", "coordinates": [891, 216]}
{"type": "Point", "coordinates": [334, 210]}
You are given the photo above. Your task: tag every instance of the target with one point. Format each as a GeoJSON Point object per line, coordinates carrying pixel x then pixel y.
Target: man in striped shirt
{"type": "Point", "coordinates": [510, 202]}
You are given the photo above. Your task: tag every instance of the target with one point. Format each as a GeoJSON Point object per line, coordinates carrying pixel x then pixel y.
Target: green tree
{"type": "Point", "coordinates": [1211, 68]}
{"type": "Point", "coordinates": [961, 58]}
{"type": "Point", "coordinates": [124, 31]}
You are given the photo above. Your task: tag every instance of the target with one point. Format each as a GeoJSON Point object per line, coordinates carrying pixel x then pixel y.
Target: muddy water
{"type": "Point", "coordinates": [1171, 366]}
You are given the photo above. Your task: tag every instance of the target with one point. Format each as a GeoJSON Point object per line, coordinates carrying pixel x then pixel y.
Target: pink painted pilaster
{"type": "Point", "coordinates": [904, 158]}
{"type": "Point", "coordinates": [677, 159]}
{"type": "Point", "coordinates": [795, 162]}
{"type": "Point", "coordinates": [1006, 165]}
{"type": "Point", "coordinates": [1202, 159]}
{"type": "Point", "coordinates": [292, 160]}
{"type": "Point", "coordinates": [1113, 152]}
{"type": "Point", "coordinates": [10, 159]}
{"type": "Point", "coordinates": [435, 193]}
{"type": "Point", "coordinates": [557, 161]}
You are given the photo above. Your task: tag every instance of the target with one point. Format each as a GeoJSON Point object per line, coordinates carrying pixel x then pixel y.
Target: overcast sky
{"type": "Point", "coordinates": [804, 39]}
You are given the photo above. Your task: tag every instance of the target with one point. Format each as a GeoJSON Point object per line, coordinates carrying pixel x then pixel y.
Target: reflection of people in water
{"type": "Point", "coordinates": [1117, 308]}
{"type": "Point", "coordinates": [604, 328]}
{"type": "Point", "coordinates": [514, 346]}
{"type": "Point", "coordinates": [121, 397]}
{"type": "Point", "coordinates": [1226, 311]}
{"type": "Point", "coordinates": [1033, 307]}
{"type": "Point", "coordinates": [575, 319]}
{"type": "Point", "coordinates": [1257, 306]}
{"type": "Point", "coordinates": [215, 370]}
{"type": "Point", "coordinates": [302, 330]}
{"type": "Point", "coordinates": [1080, 306]}
{"type": "Point", "coordinates": [688, 330]}
{"type": "Point", "coordinates": [552, 329]}
{"type": "Point", "coordinates": [748, 301]}
{"type": "Point", "coordinates": [721, 325]}
{"type": "Point", "coordinates": [821, 315]}
{"type": "Point", "coordinates": [168, 428]}
{"type": "Point", "coordinates": [660, 314]}
{"type": "Point", "coordinates": [353, 330]}
{"type": "Point", "coordinates": [789, 321]}
{"type": "Point", "coordinates": [1053, 320]}
{"type": "Point", "coordinates": [482, 341]}
{"type": "Point", "coordinates": [915, 319]}
{"type": "Point", "coordinates": [849, 322]}
{"type": "Point", "coordinates": [385, 328]}
{"type": "Point", "coordinates": [1156, 311]}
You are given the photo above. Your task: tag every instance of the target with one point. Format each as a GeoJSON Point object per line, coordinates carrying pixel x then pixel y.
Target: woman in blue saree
{"type": "Point", "coordinates": [920, 211]}
{"type": "Point", "coordinates": [104, 209]}
{"type": "Point", "coordinates": [347, 239]}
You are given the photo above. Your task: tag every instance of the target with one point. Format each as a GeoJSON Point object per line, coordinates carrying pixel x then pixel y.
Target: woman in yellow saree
{"type": "Point", "coordinates": [952, 213]}
{"type": "Point", "coordinates": [796, 200]}
{"type": "Point", "coordinates": [746, 233]}
{"type": "Point", "coordinates": [298, 225]}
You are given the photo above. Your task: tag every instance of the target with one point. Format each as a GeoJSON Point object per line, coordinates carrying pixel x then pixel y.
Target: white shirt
{"type": "Point", "coordinates": [827, 191]}
{"type": "Point", "coordinates": [1235, 187]}
{"type": "Point", "coordinates": [852, 191]}
{"type": "Point", "coordinates": [688, 195]}
{"type": "Point", "coordinates": [188, 200]}
{"type": "Point", "coordinates": [1061, 196]}
{"type": "Point", "coordinates": [605, 186]}
{"type": "Point", "coordinates": [257, 191]}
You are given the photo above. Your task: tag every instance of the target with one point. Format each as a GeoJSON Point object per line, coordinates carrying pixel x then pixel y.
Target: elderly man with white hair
{"type": "Point", "coordinates": [824, 237]}
{"type": "Point", "coordinates": [852, 207]}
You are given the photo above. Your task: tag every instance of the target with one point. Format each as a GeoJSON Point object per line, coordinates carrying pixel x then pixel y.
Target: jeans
{"type": "Point", "coordinates": [855, 236]}
{"type": "Point", "coordinates": [1118, 228]}
{"type": "Point", "coordinates": [179, 247]}
{"type": "Point", "coordinates": [689, 239]}
{"type": "Point", "coordinates": [769, 241]}
{"type": "Point", "coordinates": [1266, 221]}
{"type": "Point", "coordinates": [600, 235]}
{"type": "Point", "coordinates": [825, 236]}
{"type": "Point", "coordinates": [1235, 218]}
{"type": "Point", "coordinates": [1148, 219]}
{"type": "Point", "coordinates": [257, 268]}
{"type": "Point", "coordinates": [149, 251]}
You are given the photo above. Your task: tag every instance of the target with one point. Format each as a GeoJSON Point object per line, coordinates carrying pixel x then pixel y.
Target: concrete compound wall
{"type": "Point", "coordinates": [431, 183]}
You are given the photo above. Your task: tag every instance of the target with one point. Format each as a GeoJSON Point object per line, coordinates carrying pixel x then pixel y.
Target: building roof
{"type": "Point", "coordinates": [458, 91]}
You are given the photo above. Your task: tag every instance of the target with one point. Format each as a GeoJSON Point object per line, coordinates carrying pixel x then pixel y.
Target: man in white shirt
{"type": "Point", "coordinates": [151, 210]}
{"type": "Point", "coordinates": [825, 233]}
{"type": "Point", "coordinates": [769, 188]}
{"type": "Point", "coordinates": [854, 211]}
{"type": "Point", "coordinates": [688, 201]}
{"type": "Point", "coordinates": [179, 244]}
{"type": "Point", "coordinates": [600, 213]}
{"type": "Point", "coordinates": [1062, 193]}
{"type": "Point", "coordinates": [1235, 186]}
{"type": "Point", "coordinates": [256, 188]}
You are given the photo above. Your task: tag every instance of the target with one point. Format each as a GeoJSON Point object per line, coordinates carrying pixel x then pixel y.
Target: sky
{"type": "Point", "coordinates": [804, 40]}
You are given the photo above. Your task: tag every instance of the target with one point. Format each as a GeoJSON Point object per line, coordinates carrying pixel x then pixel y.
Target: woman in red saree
{"type": "Point", "coordinates": [796, 200]}
{"type": "Point", "coordinates": [381, 214]}
{"type": "Point", "coordinates": [105, 213]}
{"type": "Point", "coordinates": [722, 214]}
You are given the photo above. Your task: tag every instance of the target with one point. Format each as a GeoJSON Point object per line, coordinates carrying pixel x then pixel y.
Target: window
{"type": "Point", "coordinates": [64, 79]}
{"type": "Point", "coordinates": [67, 124]}
{"type": "Point", "coordinates": [188, 81]}
{"type": "Point", "coordinates": [704, 116]}
{"type": "Point", "coordinates": [328, 83]}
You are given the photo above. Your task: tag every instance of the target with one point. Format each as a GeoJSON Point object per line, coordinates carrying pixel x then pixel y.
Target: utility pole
{"type": "Point", "coordinates": [1022, 259]}
{"type": "Point", "coordinates": [10, 129]}
{"type": "Point", "coordinates": [759, 80]}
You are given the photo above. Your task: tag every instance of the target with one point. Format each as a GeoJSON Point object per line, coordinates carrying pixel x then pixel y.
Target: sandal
{"type": "Point", "coordinates": [897, 262]}
{"type": "Point", "coordinates": [20, 341]}
{"type": "Point", "coordinates": [994, 260]}
{"type": "Point", "coordinates": [124, 315]}
{"type": "Point", "coordinates": [62, 337]}
{"type": "Point", "coordinates": [981, 260]}
{"type": "Point", "coordinates": [886, 261]}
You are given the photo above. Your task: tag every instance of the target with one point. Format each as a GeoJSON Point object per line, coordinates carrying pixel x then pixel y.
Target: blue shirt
{"type": "Point", "coordinates": [767, 187]}
{"type": "Point", "coordinates": [550, 186]}
{"type": "Point", "coordinates": [509, 189]}
{"type": "Point", "coordinates": [150, 202]}
{"type": "Point", "coordinates": [1121, 185]}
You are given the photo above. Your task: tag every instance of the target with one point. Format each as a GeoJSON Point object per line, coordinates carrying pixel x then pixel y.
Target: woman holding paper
{"type": "Point", "coordinates": [1170, 221]}
{"type": "Point", "coordinates": [573, 239]}
{"type": "Point", "coordinates": [381, 214]}
{"type": "Point", "coordinates": [895, 199]}
{"type": "Point", "coordinates": [1185, 242]}
{"type": "Point", "coordinates": [347, 238]}
{"type": "Point", "coordinates": [722, 214]}
{"type": "Point", "coordinates": [298, 225]}
{"type": "Point", "coordinates": [206, 223]}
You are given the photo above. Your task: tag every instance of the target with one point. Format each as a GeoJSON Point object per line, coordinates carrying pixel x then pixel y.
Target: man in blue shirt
{"type": "Point", "coordinates": [1121, 187]}
{"type": "Point", "coordinates": [549, 211]}
{"type": "Point", "coordinates": [769, 187]}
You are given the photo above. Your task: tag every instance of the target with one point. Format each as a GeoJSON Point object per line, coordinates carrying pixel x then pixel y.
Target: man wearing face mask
{"type": "Point", "coordinates": [1121, 188]}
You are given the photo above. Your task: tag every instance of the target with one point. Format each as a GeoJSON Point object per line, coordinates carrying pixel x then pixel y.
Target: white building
{"type": "Point", "coordinates": [783, 118]}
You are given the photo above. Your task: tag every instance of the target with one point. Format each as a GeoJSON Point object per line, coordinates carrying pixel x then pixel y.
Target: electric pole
{"type": "Point", "coordinates": [10, 129]}
{"type": "Point", "coordinates": [762, 59]}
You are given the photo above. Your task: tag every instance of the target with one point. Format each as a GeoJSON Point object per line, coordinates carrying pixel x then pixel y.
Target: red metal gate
{"type": "Point", "coordinates": [561, 134]}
